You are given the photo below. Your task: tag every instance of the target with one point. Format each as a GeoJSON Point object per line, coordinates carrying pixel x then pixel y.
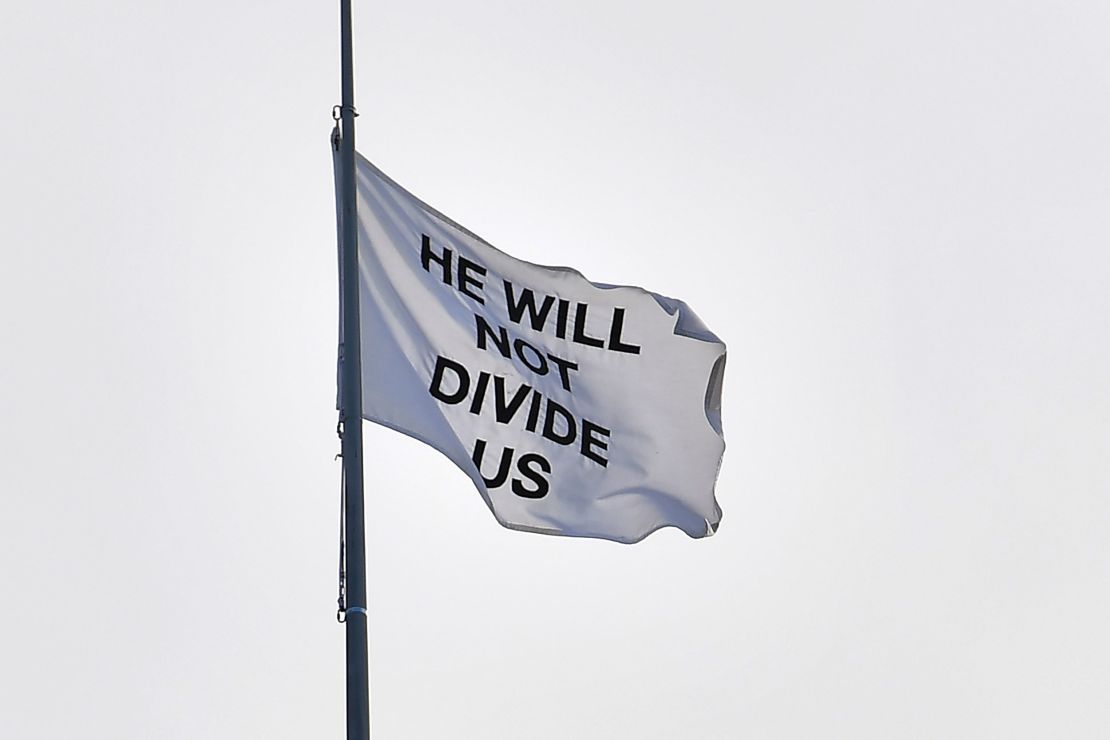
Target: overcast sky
{"type": "Point", "coordinates": [894, 214]}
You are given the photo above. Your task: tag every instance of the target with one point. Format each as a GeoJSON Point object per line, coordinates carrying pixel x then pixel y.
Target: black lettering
{"type": "Point", "coordinates": [436, 389]}
{"type": "Point", "coordinates": [561, 318]}
{"type": "Point", "coordinates": [565, 366]}
{"type": "Point", "coordinates": [479, 393]}
{"type": "Point", "coordinates": [527, 301]}
{"type": "Point", "coordinates": [466, 279]}
{"type": "Point", "coordinates": [580, 334]}
{"type": "Point", "coordinates": [485, 330]}
{"type": "Point", "coordinates": [502, 475]}
{"type": "Point", "coordinates": [427, 256]}
{"type": "Point", "coordinates": [507, 410]}
{"type": "Point", "coordinates": [533, 412]}
{"type": "Point", "coordinates": [555, 410]}
{"type": "Point", "coordinates": [524, 466]}
{"type": "Point", "coordinates": [615, 343]}
{"type": "Point", "coordinates": [541, 364]}
{"type": "Point", "coordinates": [590, 439]}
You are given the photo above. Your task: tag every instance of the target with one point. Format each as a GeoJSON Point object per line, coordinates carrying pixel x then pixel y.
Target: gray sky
{"type": "Point", "coordinates": [893, 213]}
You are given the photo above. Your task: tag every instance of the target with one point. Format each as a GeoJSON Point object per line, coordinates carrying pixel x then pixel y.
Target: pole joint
{"type": "Point", "coordinates": [337, 112]}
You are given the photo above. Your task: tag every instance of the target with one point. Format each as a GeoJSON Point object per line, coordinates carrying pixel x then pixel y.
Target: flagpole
{"type": "Point", "coordinates": [358, 679]}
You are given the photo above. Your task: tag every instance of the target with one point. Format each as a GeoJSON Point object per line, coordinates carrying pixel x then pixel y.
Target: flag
{"type": "Point", "coordinates": [576, 408]}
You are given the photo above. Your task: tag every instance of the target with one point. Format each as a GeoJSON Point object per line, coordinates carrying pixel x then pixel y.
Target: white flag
{"type": "Point", "coordinates": [576, 408]}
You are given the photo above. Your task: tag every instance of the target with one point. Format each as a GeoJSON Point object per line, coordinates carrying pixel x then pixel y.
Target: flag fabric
{"type": "Point", "coordinates": [576, 408]}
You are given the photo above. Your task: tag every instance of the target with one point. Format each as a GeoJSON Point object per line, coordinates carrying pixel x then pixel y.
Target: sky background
{"type": "Point", "coordinates": [895, 214]}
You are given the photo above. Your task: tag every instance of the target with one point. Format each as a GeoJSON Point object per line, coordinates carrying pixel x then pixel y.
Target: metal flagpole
{"type": "Point", "coordinates": [358, 679]}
